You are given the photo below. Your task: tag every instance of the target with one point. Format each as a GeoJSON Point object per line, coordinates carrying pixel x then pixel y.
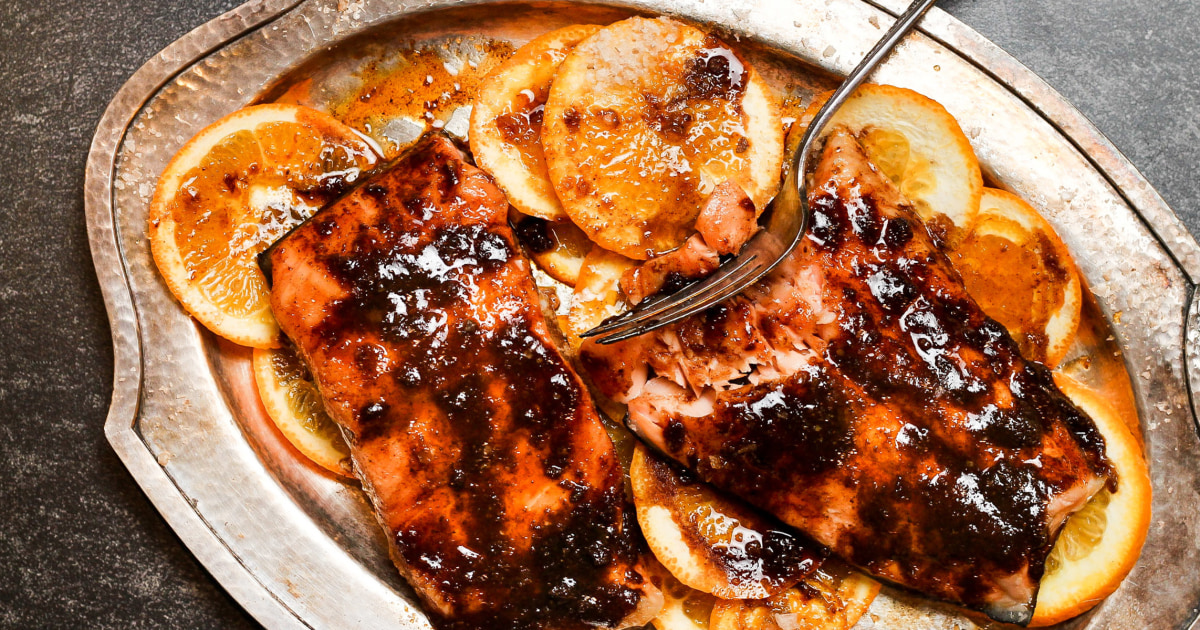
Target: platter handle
{"type": "Point", "coordinates": [1191, 359]}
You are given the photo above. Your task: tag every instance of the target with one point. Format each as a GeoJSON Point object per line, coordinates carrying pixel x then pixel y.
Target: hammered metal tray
{"type": "Point", "coordinates": [299, 549]}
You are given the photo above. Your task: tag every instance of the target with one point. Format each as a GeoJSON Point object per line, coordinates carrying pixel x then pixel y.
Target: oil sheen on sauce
{"type": "Point", "coordinates": [521, 127]}
{"type": "Point", "coordinates": [398, 96]}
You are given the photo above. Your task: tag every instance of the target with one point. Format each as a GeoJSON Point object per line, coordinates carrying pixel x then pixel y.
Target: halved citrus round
{"type": "Point", "coordinates": [597, 292]}
{"type": "Point", "coordinates": [644, 119]}
{"type": "Point", "coordinates": [295, 406]}
{"type": "Point", "coordinates": [1100, 543]}
{"type": "Point", "coordinates": [919, 146]}
{"type": "Point", "coordinates": [558, 247]}
{"type": "Point", "coordinates": [231, 191]}
{"type": "Point", "coordinates": [710, 542]}
{"type": "Point", "coordinates": [1022, 275]}
{"type": "Point", "coordinates": [834, 598]}
{"type": "Point", "coordinates": [506, 123]}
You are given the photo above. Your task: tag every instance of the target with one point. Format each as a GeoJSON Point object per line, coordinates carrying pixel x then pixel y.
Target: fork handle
{"type": "Point", "coordinates": [883, 47]}
{"type": "Point", "coordinates": [794, 192]}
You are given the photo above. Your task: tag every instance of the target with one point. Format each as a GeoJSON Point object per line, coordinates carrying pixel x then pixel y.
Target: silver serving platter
{"type": "Point", "coordinates": [300, 549]}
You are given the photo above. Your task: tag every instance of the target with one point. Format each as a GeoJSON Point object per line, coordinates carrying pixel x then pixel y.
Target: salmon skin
{"type": "Point", "coordinates": [480, 449]}
{"type": "Point", "coordinates": [861, 396]}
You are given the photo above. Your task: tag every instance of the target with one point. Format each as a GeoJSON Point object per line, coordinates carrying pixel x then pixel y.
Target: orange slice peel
{"type": "Point", "coordinates": [1022, 275]}
{"type": "Point", "coordinates": [293, 403]}
{"type": "Point", "coordinates": [1100, 544]}
{"type": "Point", "coordinates": [231, 191]}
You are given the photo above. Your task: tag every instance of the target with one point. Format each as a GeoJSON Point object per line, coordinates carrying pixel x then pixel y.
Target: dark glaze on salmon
{"type": "Point", "coordinates": [480, 448]}
{"type": "Point", "coordinates": [860, 395]}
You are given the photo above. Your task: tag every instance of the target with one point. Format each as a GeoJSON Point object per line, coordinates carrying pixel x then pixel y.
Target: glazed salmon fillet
{"type": "Point", "coordinates": [480, 449]}
{"type": "Point", "coordinates": [861, 396]}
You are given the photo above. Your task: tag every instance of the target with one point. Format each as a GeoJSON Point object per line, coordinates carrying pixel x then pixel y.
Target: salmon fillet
{"type": "Point", "coordinates": [480, 449]}
{"type": "Point", "coordinates": [861, 396]}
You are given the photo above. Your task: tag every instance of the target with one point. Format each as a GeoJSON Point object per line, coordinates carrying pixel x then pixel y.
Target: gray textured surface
{"type": "Point", "coordinates": [1131, 66]}
{"type": "Point", "coordinates": [79, 545]}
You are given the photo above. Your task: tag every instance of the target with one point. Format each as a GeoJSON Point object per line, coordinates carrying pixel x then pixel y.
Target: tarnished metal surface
{"type": "Point", "coordinates": [299, 549]}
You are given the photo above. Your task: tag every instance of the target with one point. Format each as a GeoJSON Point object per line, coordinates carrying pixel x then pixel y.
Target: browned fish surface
{"type": "Point", "coordinates": [480, 448]}
{"type": "Point", "coordinates": [860, 395]}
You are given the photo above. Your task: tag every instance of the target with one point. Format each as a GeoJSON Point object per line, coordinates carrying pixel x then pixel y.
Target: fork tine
{"type": "Point", "coordinates": [653, 307]}
{"type": "Point", "coordinates": [735, 284]}
{"type": "Point", "coordinates": [660, 303]}
{"type": "Point", "coordinates": [727, 286]}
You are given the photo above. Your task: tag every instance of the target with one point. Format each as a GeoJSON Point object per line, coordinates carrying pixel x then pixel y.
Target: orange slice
{"type": "Point", "coordinates": [709, 542]}
{"type": "Point", "coordinates": [558, 247]}
{"type": "Point", "coordinates": [918, 145]}
{"type": "Point", "coordinates": [834, 598]}
{"type": "Point", "coordinates": [506, 123]}
{"type": "Point", "coordinates": [597, 293]}
{"type": "Point", "coordinates": [644, 119]}
{"type": "Point", "coordinates": [1100, 543]}
{"type": "Point", "coordinates": [294, 404]}
{"type": "Point", "coordinates": [231, 191]}
{"type": "Point", "coordinates": [1022, 275]}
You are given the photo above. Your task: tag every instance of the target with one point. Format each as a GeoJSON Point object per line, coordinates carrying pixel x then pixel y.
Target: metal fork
{"type": "Point", "coordinates": [786, 222]}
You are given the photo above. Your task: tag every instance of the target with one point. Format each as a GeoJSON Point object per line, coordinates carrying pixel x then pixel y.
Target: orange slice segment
{"type": "Point", "coordinates": [644, 119]}
{"type": "Point", "coordinates": [558, 247]}
{"type": "Point", "coordinates": [1022, 275]}
{"type": "Point", "coordinates": [597, 293]}
{"type": "Point", "coordinates": [1100, 543]}
{"type": "Point", "coordinates": [231, 191]}
{"type": "Point", "coordinates": [506, 123]}
{"type": "Point", "coordinates": [709, 542]}
{"type": "Point", "coordinates": [918, 145]}
{"type": "Point", "coordinates": [835, 598]}
{"type": "Point", "coordinates": [295, 406]}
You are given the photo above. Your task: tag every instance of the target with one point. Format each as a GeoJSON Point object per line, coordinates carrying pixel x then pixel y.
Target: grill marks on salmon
{"type": "Point", "coordinates": [860, 395]}
{"type": "Point", "coordinates": [481, 451]}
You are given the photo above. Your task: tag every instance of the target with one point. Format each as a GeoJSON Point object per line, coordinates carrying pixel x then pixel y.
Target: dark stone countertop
{"type": "Point", "coordinates": [80, 545]}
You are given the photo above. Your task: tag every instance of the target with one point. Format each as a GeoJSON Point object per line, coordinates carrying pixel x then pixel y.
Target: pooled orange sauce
{"type": "Point", "coordinates": [424, 86]}
{"type": "Point", "coordinates": [521, 127]}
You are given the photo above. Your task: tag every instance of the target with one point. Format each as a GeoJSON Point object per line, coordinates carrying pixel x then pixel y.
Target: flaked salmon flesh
{"type": "Point", "coordinates": [861, 396]}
